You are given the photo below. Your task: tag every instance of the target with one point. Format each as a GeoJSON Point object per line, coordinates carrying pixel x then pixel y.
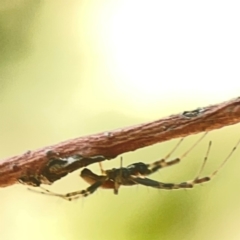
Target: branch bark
{"type": "Point", "coordinates": [50, 163]}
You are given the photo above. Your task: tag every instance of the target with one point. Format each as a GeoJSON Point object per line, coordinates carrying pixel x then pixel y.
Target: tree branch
{"type": "Point", "coordinates": [50, 163]}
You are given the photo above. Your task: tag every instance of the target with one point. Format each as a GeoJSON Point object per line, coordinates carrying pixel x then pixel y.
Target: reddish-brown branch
{"type": "Point", "coordinates": [111, 144]}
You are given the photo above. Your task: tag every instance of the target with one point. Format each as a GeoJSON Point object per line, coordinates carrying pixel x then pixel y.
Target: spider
{"type": "Point", "coordinates": [136, 174]}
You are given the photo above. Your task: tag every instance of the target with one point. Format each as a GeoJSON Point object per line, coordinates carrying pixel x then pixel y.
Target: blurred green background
{"type": "Point", "coordinates": [72, 68]}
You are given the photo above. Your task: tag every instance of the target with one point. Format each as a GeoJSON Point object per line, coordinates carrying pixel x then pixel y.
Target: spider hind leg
{"type": "Point", "coordinates": [72, 195]}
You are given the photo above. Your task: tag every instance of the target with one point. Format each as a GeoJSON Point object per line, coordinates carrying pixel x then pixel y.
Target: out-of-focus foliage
{"type": "Point", "coordinates": [16, 26]}
{"type": "Point", "coordinates": [71, 68]}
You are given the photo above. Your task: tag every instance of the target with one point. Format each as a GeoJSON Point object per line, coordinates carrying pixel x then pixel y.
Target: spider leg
{"type": "Point", "coordinates": [189, 184]}
{"type": "Point", "coordinates": [46, 192]}
{"type": "Point", "coordinates": [226, 159]}
{"type": "Point", "coordinates": [155, 166]}
{"type": "Point", "coordinates": [143, 169]}
{"type": "Point", "coordinates": [116, 188]}
{"type": "Point", "coordinates": [204, 161]}
{"type": "Point", "coordinates": [208, 178]}
{"type": "Point", "coordinates": [73, 195]}
{"type": "Point", "coordinates": [155, 184]}
{"type": "Point", "coordinates": [118, 180]}
{"type": "Point", "coordinates": [101, 168]}
{"type": "Point", "coordinates": [168, 186]}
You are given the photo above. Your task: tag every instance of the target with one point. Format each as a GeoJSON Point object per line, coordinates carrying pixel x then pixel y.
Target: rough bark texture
{"type": "Point", "coordinates": [50, 163]}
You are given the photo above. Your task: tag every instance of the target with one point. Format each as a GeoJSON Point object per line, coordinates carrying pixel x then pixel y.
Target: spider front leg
{"type": "Point", "coordinates": [169, 186]}
{"type": "Point", "coordinates": [147, 169]}
{"type": "Point", "coordinates": [189, 184]}
{"type": "Point", "coordinates": [155, 166]}
{"type": "Point", "coordinates": [74, 195]}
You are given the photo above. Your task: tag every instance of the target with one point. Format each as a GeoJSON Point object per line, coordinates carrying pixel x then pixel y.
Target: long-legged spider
{"type": "Point", "coordinates": [135, 174]}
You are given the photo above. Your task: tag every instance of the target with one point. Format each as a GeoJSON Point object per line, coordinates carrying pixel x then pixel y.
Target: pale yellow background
{"type": "Point", "coordinates": [72, 68]}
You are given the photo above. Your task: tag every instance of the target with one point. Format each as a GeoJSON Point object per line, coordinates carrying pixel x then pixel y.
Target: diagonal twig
{"type": "Point", "coordinates": [50, 163]}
